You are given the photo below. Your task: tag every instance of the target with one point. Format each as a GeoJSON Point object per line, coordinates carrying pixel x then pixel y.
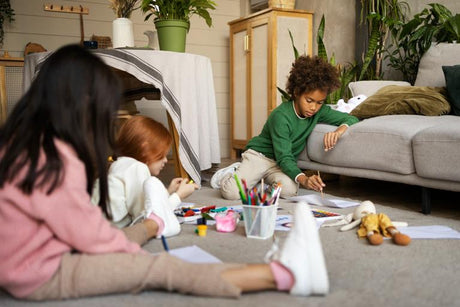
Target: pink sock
{"type": "Point", "coordinates": [283, 277]}
{"type": "Point", "coordinates": [159, 221]}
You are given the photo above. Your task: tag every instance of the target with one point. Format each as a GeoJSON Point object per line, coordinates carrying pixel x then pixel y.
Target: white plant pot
{"type": "Point", "coordinates": [123, 35]}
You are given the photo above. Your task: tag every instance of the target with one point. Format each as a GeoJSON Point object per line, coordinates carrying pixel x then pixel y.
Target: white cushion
{"type": "Point", "coordinates": [430, 68]}
{"type": "Point", "coordinates": [368, 88]}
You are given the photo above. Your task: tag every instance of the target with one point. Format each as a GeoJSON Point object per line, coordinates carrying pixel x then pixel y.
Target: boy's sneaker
{"type": "Point", "coordinates": [302, 254]}
{"type": "Point", "coordinates": [220, 174]}
{"type": "Point", "coordinates": [157, 202]}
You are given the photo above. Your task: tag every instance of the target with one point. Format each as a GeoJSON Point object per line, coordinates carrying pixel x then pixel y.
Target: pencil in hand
{"type": "Point", "coordinates": [322, 194]}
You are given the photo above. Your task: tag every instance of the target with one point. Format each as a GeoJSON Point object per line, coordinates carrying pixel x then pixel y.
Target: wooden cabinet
{"type": "Point", "coordinates": [261, 57]}
{"type": "Point", "coordinates": [10, 84]}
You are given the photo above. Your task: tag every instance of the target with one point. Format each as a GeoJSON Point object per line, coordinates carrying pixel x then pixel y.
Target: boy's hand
{"type": "Point", "coordinates": [331, 138]}
{"type": "Point", "coordinates": [313, 182]}
{"type": "Point", "coordinates": [185, 188]}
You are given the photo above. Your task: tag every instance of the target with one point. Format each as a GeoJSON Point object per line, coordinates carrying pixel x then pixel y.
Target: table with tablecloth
{"type": "Point", "coordinates": [187, 93]}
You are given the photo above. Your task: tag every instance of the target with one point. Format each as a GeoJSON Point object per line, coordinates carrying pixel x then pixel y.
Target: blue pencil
{"type": "Point", "coordinates": [165, 244]}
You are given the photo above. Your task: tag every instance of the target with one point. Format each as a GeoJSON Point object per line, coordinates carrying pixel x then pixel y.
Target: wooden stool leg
{"type": "Point", "coordinates": [180, 171]}
{"type": "Point", "coordinates": [3, 100]}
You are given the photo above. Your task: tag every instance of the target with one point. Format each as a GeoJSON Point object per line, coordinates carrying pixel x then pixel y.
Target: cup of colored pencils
{"type": "Point", "coordinates": [259, 208]}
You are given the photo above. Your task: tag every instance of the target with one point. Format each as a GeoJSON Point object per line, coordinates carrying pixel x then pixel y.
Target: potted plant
{"type": "Point", "coordinates": [122, 27]}
{"type": "Point", "coordinates": [172, 19]}
{"type": "Point", "coordinates": [6, 15]}
{"type": "Point", "coordinates": [413, 38]}
{"type": "Point", "coordinates": [378, 17]}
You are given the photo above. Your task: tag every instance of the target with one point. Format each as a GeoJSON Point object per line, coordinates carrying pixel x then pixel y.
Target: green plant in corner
{"type": "Point", "coordinates": [379, 16]}
{"type": "Point", "coordinates": [6, 15]}
{"type": "Point", "coordinates": [410, 40]}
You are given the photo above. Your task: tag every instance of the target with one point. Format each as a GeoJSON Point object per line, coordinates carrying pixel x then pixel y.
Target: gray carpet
{"type": "Point", "coordinates": [425, 273]}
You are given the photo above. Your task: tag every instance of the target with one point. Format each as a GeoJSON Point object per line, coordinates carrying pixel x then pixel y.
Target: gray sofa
{"type": "Point", "coordinates": [411, 149]}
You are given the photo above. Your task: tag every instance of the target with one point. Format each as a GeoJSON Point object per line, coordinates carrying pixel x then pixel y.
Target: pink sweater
{"type": "Point", "coordinates": [37, 229]}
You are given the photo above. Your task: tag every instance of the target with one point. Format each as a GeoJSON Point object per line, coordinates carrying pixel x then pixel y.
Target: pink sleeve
{"type": "Point", "coordinates": [72, 217]}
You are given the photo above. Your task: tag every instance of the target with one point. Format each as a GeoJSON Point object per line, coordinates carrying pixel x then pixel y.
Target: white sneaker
{"type": "Point", "coordinates": [302, 254]}
{"type": "Point", "coordinates": [156, 201]}
{"type": "Point", "coordinates": [220, 174]}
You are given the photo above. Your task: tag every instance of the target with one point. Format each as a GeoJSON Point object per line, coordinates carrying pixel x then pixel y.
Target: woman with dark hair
{"type": "Point", "coordinates": [52, 147]}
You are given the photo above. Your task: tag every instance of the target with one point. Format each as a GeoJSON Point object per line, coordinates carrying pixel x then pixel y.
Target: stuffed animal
{"type": "Point", "coordinates": [373, 225]}
{"type": "Point", "coordinates": [347, 107]}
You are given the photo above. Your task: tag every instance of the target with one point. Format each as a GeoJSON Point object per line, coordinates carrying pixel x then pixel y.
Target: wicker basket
{"type": "Point", "coordinates": [282, 4]}
{"type": "Point", "coordinates": [103, 42]}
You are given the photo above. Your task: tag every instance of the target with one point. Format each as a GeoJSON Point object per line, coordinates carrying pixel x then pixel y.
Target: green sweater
{"type": "Point", "coordinates": [284, 134]}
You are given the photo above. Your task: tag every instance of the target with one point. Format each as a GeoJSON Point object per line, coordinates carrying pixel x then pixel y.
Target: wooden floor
{"type": "Point", "coordinates": [443, 203]}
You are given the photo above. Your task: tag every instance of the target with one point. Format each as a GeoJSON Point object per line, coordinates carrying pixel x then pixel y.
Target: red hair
{"type": "Point", "coordinates": [143, 139]}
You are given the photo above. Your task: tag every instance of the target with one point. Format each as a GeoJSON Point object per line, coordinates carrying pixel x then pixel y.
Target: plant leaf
{"type": "Point", "coordinates": [296, 52]}
{"type": "Point", "coordinates": [319, 39]}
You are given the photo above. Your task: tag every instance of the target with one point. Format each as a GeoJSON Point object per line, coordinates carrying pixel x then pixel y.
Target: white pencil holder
{"type": "Point", "coordinates": [259, 221]}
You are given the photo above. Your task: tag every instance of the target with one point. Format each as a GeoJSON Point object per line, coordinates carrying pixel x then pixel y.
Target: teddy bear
{"type": "Point", "coordinates": [372, 225]}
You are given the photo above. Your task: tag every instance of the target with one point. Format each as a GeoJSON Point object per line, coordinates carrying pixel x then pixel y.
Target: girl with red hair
{"type": "Point", "coordinates": [135, 193]}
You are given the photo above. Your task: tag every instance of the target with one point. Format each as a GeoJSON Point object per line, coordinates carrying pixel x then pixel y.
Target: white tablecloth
{"type": "Point", "coordinates": [187, 92]}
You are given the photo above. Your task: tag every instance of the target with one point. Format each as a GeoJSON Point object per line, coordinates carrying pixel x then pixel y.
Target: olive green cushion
{"type": "Point", "coordinates": [452, 75]}
{"type": "Point", "coordinates": [394, 99]}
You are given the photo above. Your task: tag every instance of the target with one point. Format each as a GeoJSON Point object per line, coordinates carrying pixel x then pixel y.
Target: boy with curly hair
{"type": "Point", "coordinates": [272, 155]}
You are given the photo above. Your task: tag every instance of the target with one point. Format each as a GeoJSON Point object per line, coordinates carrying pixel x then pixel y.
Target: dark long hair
{"type": "Point", "coordinates": [74, 98]}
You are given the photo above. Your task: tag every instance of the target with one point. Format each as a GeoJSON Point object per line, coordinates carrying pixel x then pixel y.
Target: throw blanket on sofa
{"type": "Point", "coordinates": [394, 99]}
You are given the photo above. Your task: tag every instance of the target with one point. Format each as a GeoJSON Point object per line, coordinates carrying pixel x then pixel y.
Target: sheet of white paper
{"type": "Point", "coordinates": [194, 254]}
{"type": "Point", "coordinates": [430, 232]}
{"type": "Point", "coordinates": [316, 199]}
{"type": "Point", "coordinates": [284, 222]}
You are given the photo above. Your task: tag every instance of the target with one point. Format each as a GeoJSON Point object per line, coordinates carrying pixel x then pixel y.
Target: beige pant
{"type": "Point", "coordinates": [88, 275]}
{"type": "Point", "coordinates": [255, 166]}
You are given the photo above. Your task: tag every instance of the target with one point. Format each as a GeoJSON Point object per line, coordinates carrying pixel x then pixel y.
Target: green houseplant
{"type": "Point", "coordinates": [347, 73]}
{"type": "Point", "coordinates": [378, 16]}
{"type": "Point", "coordinates": [6, 15]}
{"type": "Point", "coordinates": [412, 39]}
{"type": "Point", "coordinates": [172, 19]}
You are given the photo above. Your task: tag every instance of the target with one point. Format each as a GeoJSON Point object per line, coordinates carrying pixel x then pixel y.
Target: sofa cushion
{"type": "Point", "coordinates": [437, 150]}
{"type": "Point", "coordinates": [394, 99]}
{"type": "Point", "coordinates": [452, 74]}
{"type": "Point", "coordinates": [429, 69]}
{"type": "Point", "coordinates": [370, 87]}
{"type": "Point", "coordinates": [381, 143]}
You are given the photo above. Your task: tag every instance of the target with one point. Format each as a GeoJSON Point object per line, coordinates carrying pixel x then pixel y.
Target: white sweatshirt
{"type": "Point", "coordinates": [126, 195]}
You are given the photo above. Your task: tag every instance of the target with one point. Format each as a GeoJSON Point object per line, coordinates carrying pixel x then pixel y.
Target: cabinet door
{"type": "Point", "coordinates": [300, 26]}
{"type": "Point", "coordinates": [239, 100]}
{"type": "Point", "coordinates": [259, 76]}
